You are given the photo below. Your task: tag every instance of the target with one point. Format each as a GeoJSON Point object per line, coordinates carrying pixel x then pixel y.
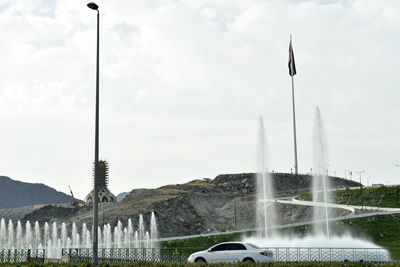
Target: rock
{"type": "Point", "coordinates": [199, 206]}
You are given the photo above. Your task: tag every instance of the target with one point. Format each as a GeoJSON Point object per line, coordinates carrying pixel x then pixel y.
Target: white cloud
{"type": "Point", "coordinates": [183, 83]}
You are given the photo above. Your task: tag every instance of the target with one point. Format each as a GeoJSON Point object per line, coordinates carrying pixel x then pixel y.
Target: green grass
{"type": "Point", "coordinates": [383, 196]}
{"type": "Point", "coordinates": [383, 230]}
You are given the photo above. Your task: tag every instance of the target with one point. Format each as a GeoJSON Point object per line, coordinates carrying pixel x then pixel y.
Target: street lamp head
{"type": "Point", "coordinates": [93, 6]}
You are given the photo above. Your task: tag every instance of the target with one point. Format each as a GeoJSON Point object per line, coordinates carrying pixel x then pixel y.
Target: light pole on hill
{"type": "Point", "coordinates": [345, 173]}
{"type": "Point", "coordinates": [95, 259]}
{"type": "Point", "coordinates": [361, 192]}
{"type": "Point", "coordinates": [347, 185]}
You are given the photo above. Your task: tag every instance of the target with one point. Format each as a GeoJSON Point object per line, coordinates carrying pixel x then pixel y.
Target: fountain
{"type": "Point", "coordinates": [55, 237]}
{"type": "Point", "coordinates": [320, 191]}
{"type": "Point", "coordinates": [265, 207]}
{"type": "Point", "coordinates": [321, 237]}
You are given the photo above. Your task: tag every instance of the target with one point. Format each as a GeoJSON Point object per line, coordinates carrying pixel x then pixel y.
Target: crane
{"type": "Point", "coordinates": [73, 200]}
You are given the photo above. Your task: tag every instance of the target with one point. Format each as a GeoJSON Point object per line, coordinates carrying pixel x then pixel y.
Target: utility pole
{"type": "Point", "coordinates": [345, 173]}
{"type": "Point", "coordinates": [234, 209]}
{"type": "Point", "coordinates": [347, 186]}
{"type": "Point", "coordinates": [361, 191]}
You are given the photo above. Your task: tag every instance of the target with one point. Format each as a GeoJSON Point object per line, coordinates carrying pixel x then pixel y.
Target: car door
{"type": "Point", "coordinates": [235, 252]}
{"type": "Point", "coordinates": [217, 253]}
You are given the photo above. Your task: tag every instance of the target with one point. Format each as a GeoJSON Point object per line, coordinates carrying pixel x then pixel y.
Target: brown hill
{"type": "Point", "coordinates": [199, 206]}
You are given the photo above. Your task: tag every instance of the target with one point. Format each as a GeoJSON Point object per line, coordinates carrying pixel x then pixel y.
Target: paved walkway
{"type": "Point", "coordinates": [351, 208]}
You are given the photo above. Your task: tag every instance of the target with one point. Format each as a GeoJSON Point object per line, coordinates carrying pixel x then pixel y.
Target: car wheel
{"type": "Point", "coordinates": [200, 260]}
{"type": "Point", "coordinates": [248, 260]}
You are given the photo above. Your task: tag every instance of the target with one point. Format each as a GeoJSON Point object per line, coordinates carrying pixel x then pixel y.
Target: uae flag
{"type": "Point", "coordinates": [291, 64]}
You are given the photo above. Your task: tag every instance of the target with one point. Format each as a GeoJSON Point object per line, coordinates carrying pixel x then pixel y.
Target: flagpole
{"type": "Point", "coordinates": [294, 129]}
{"type": "Point", "coordinates": [292, 72]}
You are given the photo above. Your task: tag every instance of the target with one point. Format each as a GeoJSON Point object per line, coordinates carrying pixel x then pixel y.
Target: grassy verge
{"type": "Point", "coordinates": [382, 196]}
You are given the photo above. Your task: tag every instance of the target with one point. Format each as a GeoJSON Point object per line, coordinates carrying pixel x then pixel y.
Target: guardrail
{"type": "Point", "coordinates": [331, 254]}
{"type": "Point", "coordinates": [281, 254]}
{"type": "Point", "coordinates": [127, 254]}
{"type": "Point", "coordinates": [22, 255]}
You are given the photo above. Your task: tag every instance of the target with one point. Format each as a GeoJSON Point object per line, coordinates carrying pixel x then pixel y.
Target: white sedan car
{"type": "Point", "coordinates": [232, 252]}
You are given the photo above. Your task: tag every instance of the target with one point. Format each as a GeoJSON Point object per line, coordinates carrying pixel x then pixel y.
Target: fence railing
{"type": "Point", "coordinates": [281, 254]}
{"type": "Point", "coordinates": [331, 254]}
{"type": "Point", "coordinates": [128, 254]}
{"type": "Point", "coordinates": [22, 255]}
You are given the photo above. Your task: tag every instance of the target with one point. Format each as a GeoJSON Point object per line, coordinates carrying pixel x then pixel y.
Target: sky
{"type": "Point", "coordinates": [183, 84]}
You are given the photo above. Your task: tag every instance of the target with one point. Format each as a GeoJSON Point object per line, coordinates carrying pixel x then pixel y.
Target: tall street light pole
{"type": "Point", "coordinates": [95, 259]}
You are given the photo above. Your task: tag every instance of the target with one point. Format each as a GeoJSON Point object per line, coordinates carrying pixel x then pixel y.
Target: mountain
{"type": "Point", "coordinates": [121, 196]}
{"type": "Point", "coordinates": [226, 202]}
{"type": "Point", "coordinates": [15, 194]}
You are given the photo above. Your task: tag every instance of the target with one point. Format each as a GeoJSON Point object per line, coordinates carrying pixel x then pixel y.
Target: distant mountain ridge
{"type": "Point", "coordinates": [15, 194]}
{"type": "Point", "coordinates": [121, 196]}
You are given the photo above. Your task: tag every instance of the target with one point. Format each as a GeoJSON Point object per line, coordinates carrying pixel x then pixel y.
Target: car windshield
{"type": "Point", "coordinates": [253, 246]}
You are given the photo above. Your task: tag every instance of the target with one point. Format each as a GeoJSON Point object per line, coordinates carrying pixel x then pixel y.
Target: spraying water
{"type": "Point", "coordinates": [56, 237]}
{"type": "Point", "coordinates": [265, 208]}
{"type": "Point", "coordinates": [153, 231]}
{"type": "Point", "coordinates": [320, 178]}
{"type": "Point", "coordinates": [321, 235]}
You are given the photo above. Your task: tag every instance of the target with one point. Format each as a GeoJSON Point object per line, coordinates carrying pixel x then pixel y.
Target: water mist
{"type": "Point", "coordinates": [321, 192]}
{"type": "Point", "coordinates": [265, 211]}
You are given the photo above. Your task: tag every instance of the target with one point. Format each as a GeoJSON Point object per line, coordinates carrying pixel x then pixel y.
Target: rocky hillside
{"type": "Point", "coordinates": [226, 202]}
{"type": "Point", "coordinates": [17, 194]}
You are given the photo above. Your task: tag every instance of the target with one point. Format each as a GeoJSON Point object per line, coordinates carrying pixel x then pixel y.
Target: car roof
{"type": "Point", "coordinates": [232, 242]}
{"type": "Point", "coordinates": [240, 242]}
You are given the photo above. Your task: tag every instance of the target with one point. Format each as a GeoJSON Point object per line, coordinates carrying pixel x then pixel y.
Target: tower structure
{"type": "Point", "coordinates": [104, 194]}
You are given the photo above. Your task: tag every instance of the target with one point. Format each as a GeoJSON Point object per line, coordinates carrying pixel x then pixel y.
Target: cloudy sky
{"type": "Point", "coordinates": [184, 82]}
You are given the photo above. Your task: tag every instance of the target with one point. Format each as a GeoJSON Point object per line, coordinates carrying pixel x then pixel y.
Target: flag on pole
{"type": "Point", "coordinates": [292, 65]}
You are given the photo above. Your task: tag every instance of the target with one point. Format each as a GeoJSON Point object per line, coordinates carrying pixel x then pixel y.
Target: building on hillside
{"type": "Point", "coordinates": [104, 194]}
